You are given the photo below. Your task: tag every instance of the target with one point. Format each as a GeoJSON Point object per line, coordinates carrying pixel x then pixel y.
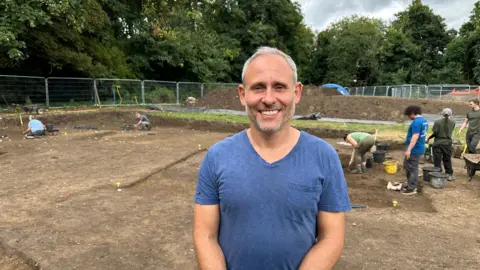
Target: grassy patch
{"type": "Point", "coordinates": [401, 128]}
{"type": "Point", "coordinates": [392, 132]}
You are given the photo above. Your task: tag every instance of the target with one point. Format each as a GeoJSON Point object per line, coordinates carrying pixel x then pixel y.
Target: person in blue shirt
{"type": "Point", "coordinates": [271, 196]}
{"type": "Point", "coordinates": [34, 129]}
{"type": "Point", "coordinates": [416, 138]}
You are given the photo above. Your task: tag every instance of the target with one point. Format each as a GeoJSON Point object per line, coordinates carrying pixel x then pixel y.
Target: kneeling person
{"type": "Point", "coordinates": [143, 123]}
{"type": "Point", "coordinates": [361, 142]}
{"type": "Point", "coordinates": [35, 128]}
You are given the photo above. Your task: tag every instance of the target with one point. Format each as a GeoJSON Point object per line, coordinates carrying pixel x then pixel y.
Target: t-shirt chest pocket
{"type": "Point", "coordinates": [302, 200]}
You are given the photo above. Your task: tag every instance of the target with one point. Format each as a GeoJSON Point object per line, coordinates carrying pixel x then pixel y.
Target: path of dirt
{"type": "Point", "coordinates": [61, 208]}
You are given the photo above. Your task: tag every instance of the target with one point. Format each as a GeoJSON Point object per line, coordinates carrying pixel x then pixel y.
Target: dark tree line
{"type": "Point", "coordinates": [209, 41]}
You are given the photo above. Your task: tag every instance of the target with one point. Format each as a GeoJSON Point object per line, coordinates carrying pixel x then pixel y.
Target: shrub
{"type": "Point", "coordinates": [160, 95]}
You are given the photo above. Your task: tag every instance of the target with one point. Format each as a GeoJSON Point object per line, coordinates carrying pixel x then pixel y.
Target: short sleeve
{"type": "Point", "coordinates": [334, 197]}
{"type": "Point", "coordinates": [416, 127]}
{"type": "Point", "coordinates": [206, 191]}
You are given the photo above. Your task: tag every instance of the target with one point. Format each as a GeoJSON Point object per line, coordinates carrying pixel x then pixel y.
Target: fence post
{"type": "Point", "coordinates": [441, 90]}
{"type": "Point", "coordinates": [410, 95]}
{"type": "Point", "coordinates": [374, 88]}
{"type": "Point", "coordinates": [201, 89]}
{"type": "Point", "coordinates": [178, 93]}
{"type": "Point", "coordinates": [386, 92]}
{"type": "Point", "coordinates": [95, 91]}
{"type": "Point", "coordinates": [143, 92]}
{"type": "Point", "coordinates": [47, 96]}
{"type": "Point", "coordinates": [363, 91]}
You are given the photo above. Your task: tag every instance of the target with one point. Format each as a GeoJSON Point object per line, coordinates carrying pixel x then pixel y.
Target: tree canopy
{"type": "Point", "coordinates": [210, 40]}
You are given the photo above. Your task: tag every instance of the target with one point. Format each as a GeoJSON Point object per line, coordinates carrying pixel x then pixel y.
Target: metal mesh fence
{"type": "Point", "coordinates": [63, 91]}
{"type": "Point", "coordinates": [70, 91]}
{"type": "Point", "coordinates": [190, 89]}
{"type": "Point", "coordinates": [119, 91]}
{"type": "Point", "coordinates": [208, 87]}
{"type": "Point", "coordinates": [158, 92]}
{"type": "Point", "coordinates": [22, 90]}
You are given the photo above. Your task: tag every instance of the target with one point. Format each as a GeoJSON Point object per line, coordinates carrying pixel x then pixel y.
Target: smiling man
{"type": "Point", "coordinates": [271, 196]}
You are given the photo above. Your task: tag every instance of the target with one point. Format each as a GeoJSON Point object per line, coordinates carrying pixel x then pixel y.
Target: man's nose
{"type": "Point", "coordinates": [269, 97]}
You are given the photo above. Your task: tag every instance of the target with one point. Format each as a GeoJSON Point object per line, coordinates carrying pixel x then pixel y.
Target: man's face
{"type": "Point", "coordinates": [412, 116]}
{"type": "Point", "coordinates": [269, 93]}
{"type": "Point", "coordinates": [472, 104]}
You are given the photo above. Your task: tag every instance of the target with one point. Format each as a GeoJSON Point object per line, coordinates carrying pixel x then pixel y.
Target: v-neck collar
{"type": "Point", "coordinates": [249, 145]}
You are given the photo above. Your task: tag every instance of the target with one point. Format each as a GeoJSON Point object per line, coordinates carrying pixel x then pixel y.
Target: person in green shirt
{"type": "Point", "coordinates": [473, 121]}
{"type": "Point", "coordinates": [442, 145]}
{"type": "Point", "coordinates": [361, 142]}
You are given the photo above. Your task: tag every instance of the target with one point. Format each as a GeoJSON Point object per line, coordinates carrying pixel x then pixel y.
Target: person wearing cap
{"type": "Point", "coordinates": [442, 145]}
{"type": "Point", "coordinates": [473, 121]}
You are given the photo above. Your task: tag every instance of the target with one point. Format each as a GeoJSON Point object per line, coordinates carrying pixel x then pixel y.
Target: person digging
{"type": "Point", "coordinates": [143, 123]}
{"type": "Point", "coordinates": [35, 128]}
{"type": "Point", "coordinates": [362, 142]}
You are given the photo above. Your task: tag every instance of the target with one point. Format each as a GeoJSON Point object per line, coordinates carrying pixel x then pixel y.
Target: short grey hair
{"type": "Point", "coordinates": [31, 117]}
{"type": "Point", "coordinates": [271, 51]}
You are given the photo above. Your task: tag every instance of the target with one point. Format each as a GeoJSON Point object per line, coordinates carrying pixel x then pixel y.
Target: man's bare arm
{"type": "Point", "coordinates": [205, 237]}
{"type": "Point", "coordinates": [27, 130]}
{"type": "Point", "coordinates": [413, 141]}
{"type": "Point", "coordinates": [328, 249]}
{"type": "Point", "coordinates": [464, 124]}
{"type": "Point", "coordinates": [352, 141]}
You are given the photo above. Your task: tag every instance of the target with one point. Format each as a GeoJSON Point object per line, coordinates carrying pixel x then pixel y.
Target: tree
{"type": "Point", "coordinates": [348, 52]}
{"type": "Point", "coordinates": [427, 31]}
{"type": "Point", "coordinates": [253, 23]}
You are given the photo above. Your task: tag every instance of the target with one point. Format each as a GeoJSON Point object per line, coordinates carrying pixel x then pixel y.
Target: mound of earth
{"type": "Point", "coordinates": [330, 103]}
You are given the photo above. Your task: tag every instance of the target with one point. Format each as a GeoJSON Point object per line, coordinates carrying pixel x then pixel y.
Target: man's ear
{"type": "Point", "coordinates": [241, 94]}
{"type": "Point", "coordinates": [298, 92]}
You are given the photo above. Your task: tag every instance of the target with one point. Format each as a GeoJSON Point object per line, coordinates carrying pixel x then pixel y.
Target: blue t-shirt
{"type": "Point", "coordinates": [418, 126]}
{"type": "Point", "coordinates": [35, 125]}
{"type": "Point", "coordinates": [268, 212]}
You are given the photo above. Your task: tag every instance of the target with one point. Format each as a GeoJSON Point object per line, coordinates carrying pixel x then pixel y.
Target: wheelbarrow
{"type": "Point", "coordinates": [472, 163]}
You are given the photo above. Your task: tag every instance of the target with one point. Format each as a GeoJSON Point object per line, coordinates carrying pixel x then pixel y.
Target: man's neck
{"type": "Point", "coordinates": [270, 141]}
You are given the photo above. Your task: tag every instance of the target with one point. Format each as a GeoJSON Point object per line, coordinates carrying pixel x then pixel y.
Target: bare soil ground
{"type": "Point", "coordinates": [60, 207]}
{"type": "Point", "coordinates": [331, 104]}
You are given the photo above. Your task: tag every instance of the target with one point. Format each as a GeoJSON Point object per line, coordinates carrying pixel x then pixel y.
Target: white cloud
{"type": "Point", "coordinates": [319, 14]}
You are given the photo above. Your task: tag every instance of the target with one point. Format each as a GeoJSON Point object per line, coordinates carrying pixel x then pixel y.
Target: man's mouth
{"type": "Point", "coordinates": [269, 112]}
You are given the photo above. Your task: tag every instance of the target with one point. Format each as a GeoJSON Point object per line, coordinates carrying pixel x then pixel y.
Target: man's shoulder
{"type": "Point", "coordinates": [316, 144]}
{"type": "Point", "coordinates": [439, 121]}
{"type": "Point", "coordinates": [228, 144]}
{"type": "Point", "coordinates": [420, 121]}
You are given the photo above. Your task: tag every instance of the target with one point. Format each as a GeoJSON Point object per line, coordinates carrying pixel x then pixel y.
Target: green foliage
{"type": "Point", "coordinates": [209, 41]}
{"type": "Point", "coordinates": [160, 95]}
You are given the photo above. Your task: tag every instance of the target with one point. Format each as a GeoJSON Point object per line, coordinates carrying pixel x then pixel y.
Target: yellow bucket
{"type": "Point", "coordinates": [390, 166]}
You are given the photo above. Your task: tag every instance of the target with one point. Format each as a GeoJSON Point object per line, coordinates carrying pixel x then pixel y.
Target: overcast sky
{"type": "Point", "coordinates": [320, 13]}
